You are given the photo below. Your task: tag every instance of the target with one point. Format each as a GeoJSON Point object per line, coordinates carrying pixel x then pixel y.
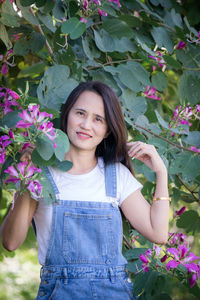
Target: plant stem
{"type": "Point", "coordinates": [41, 31]}
{"type": "Point", "coordinates": [114, 62]}
{"type": "Point", "coordinates": [185, 185]}
{"type": "Point", "coordinates": [164, 139]}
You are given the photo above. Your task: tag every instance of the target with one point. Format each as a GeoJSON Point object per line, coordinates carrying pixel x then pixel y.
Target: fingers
{"type": "Point", "coordinates": [26, 154]}
{"type": "Point", "coordinates": [138, 149]}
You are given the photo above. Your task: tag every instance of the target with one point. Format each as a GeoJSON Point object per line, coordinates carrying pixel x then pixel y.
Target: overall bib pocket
{"type": "Point", "coordinates": [88, 238]}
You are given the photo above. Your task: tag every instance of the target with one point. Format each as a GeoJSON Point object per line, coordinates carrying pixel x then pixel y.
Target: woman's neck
{"type": "Point", "coordinates": [83, 162]}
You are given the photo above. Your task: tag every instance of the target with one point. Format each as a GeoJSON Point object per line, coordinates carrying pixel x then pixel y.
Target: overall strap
{"type": "Point", "coordinates": [110, 180]}
{"type": "Point", "coordinates": [50, 177]}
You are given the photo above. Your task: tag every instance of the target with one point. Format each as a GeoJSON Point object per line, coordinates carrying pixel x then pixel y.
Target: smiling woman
{"type": "Point", "coordinates": [80, 236]}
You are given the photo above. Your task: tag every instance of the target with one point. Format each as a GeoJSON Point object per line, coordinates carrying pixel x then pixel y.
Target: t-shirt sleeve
{"type": "Point", "coordinates": [126, 183]}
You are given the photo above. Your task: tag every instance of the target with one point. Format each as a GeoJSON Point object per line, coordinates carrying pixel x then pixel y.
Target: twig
{"type": "Point", "coordinates": [164, 139]}
{"type": "Point", "coordinates": [114, 62]}
{"type": "Point", "coordinates": [189, 190]}
{"type": "Point", "coordinates": [128, 244]}
{"type": "Point", "coordinates": [41, 31]}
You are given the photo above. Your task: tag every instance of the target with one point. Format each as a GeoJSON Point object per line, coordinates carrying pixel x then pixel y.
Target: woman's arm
{"type": "Point", "coordinates": [16, 224]}
{"type": "Point", "coordinates": [150, 220]}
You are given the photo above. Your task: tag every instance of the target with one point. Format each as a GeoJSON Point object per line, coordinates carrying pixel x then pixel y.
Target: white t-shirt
{"type": "Point", "coordinates": [84, 187]}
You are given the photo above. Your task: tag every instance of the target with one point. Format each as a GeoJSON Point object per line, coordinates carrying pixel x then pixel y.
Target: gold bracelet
{"type": "Point", "coordinates": [162, 198]}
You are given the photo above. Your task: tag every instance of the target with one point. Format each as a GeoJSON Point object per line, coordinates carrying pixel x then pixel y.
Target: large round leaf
{"type": "Point", "coordinates": [55, 86]}
{"type": "Point", "coordinates": [73, 27]}
{"type": "Point", "coordinates": [62, 143]}
{"type": "Point", "coordinates": [44, 147]}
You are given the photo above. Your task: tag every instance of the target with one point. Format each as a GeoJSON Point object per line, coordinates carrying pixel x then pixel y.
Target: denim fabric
{"type": "Point", "coordinates": [84, 258]}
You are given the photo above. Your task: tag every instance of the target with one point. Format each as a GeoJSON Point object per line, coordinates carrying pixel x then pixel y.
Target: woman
{"type": "Point", "coordinates": [80, 236]}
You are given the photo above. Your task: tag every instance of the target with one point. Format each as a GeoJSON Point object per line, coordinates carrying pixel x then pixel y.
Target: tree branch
{"type": "Point", "coordinates": [114, 62]}
{"type": "Point", "coordinates": [187, 188]}
{"type": "Point", "coordinates": [42, 32]}
{"type": "Point", "coordinates": [164, 139]}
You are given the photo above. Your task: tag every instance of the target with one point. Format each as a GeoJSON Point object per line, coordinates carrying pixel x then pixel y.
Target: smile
{"type": "Point", "coordinates": [83, 135]}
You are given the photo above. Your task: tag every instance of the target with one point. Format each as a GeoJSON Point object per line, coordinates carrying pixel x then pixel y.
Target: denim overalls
{"type": "Point", "coordinates": [84, 258]}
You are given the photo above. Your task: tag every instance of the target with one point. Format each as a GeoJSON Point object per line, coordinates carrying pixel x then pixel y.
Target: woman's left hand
{"type": "Point", "coordinates": [147, 154]}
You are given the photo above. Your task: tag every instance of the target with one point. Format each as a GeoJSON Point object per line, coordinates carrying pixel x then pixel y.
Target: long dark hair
{"type": "Point", "coordinates": [113, 148]}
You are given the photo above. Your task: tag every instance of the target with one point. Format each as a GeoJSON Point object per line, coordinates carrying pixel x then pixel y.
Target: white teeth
{"type": "Point", "coordinates": [82, 134]}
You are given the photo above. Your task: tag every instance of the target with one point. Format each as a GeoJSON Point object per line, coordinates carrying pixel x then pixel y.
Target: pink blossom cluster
{"type": "Point", "coordinates": [4, 142]}
{"type": "Point", "coordinates": [6, 61]}
{"type": "Point", "coordinates": [33, 116]}
{"type": "Point", "coordinates": [177, 254]}
{"type": "Point", "coordinates": [159, 59]}
{"type": "Point", "coordinates": [89, 6]}
{"type": "Point", "coordinates": [183, 115]}
{"type": "Point", "coordinates": [9, 99]}
{"type": "Point", "coordinates": [151, 93]}
{"type": "Point", "coordinates": [23, 173]}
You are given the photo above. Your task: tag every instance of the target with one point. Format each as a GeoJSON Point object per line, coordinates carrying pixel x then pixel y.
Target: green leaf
{"type": "Point", "coordinates": [134, 266]}
{"type": "Point", "coordinates": [129, 79]}
{"type": "Point", "coordinates": [159, 81]}
{"type": "Point", "coordinates": [139, 282]}
{"type": "Point", "coordinates": [189, 88]}
{"type": "Point", "coordinates": [47, 188]}
{"type": "Point", "coordinates": [193, 138]}
{"type": "Point", "coordinates": [136, 105]}
{"type": "Point", "coordinates": [55, 86]}
{"type": "Point", "coordinates": [4, 36]}
{"type": "Point", "coordinates": [28, 16]}
{"type": "Point", "coordinates": [34, 69]}
{"type": "Point", "coordinates": [190, 221]}
{"type": "Point", "coordinates": [62, 143]}
{"type": "Point", "coordinates": [36, 42]}
{"type": "Point", "coordinates": [44, 147]}
{"type": "Point", "coordinates": [162, 38]}
{"type": "Point", "coordinates": [162, 122]}
{"type": "Point", "coordinates": [131, 20]}
{"type": "Point", "coordinates": [162, 296]}
{"type": "Point", "coordinates": [117, 28]}
{"type": "Point", "coordinates": [39, 161]}
{"type": "Point", "coordinates": [172, 62]}
{"type": "Point", "coordinates": [63, 165]}
{"type": "Point", "coordinates": [90, 48]}
{"type": "Point", "coordinates": [134, 253]}
{"type": "Point", "coordinates": [73, 27]}
{"type": "Point", "coordinates": [9, 20]}
{"type": "Point", "coordinates": [47, 20]}
{"type": "Point", "coordinates": [10, 119]}
{"type": "Point", "coordinates": [26, 2]}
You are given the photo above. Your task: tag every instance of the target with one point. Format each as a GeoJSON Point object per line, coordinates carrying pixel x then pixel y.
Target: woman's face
{"type": "Point", "coordinates": [86, 126]}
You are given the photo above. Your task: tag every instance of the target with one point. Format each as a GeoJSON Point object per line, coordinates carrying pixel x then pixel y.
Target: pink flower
{"type": "Point", "coordinates": [193, 148]}
{"type": "Point", "coordinates": [116, 2]}
{"type": "Point", "coordinates": [181, 45]}
{"type": "Point", "coordinates": [151, 93]}
{"type": "Point", "coordinates": [4, 69]}
{"type": "Point", "coordinates": [23, 172]}
{"type": "Point", "coordinates": [180, 212]}
{"type": "Point", "coordinates": [102, 12]}
{"type": "Point", "coordinates": [181, 257]}
{"type": "Point", "coordinates": [35, 187]}
{"type": "Point", "coordinates": [85, 4]}
{"type": "Point", "coordinates": [157, 250]}
{"type": "Point", "coordinates": [143, 258]}
{"type": "Point", "coordinates": [177, 238]}
{"type": "Point", "coordinates": [48, 130]}
{"type": "Point", "coordinates": [83, 20]}
{"type": "Point", "coordinates": [158, 58]}
{"type": "Point", "coordinates": [4, 142]}
{"type": "Point", "coordinates": [193, 280]}
{"type": "Point", "coordinates": [8, 100]}
{"type": "Point", "coordinates": [32, 117]}
{"type": "Point", "coordinates": [164, 258]}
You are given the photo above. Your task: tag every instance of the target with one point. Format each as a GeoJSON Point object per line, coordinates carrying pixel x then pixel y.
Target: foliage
{"type": "Point", "coordinates": [148, 52]}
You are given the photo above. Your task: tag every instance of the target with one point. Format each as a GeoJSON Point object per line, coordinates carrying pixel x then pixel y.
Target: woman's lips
{"type": "Point", "coordinates": [83, 135]}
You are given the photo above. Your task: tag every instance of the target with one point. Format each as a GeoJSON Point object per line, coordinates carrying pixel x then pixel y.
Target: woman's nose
{"type": "Point", "coordinates": [86, 123]}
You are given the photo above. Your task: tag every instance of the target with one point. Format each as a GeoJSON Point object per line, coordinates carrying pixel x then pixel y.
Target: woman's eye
{"type": "Point", "coordinates": [80, 113]}
{"type": "Point", "coordinates": [98, 119]}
